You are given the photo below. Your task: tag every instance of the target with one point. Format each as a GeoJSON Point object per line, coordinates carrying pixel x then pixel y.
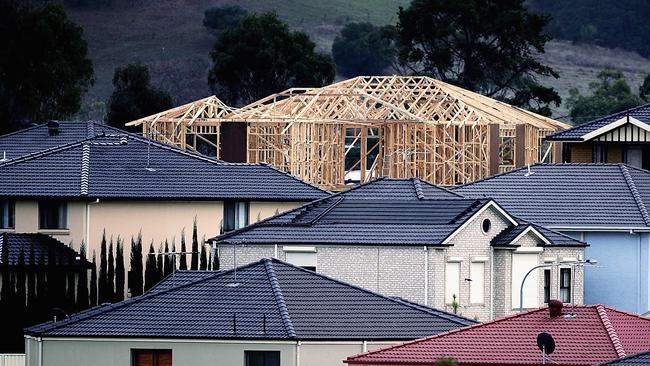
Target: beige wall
{"type": "Point", "coordinates": [156, 220]}
{"type": "Point", "coordinates": [117, 352]}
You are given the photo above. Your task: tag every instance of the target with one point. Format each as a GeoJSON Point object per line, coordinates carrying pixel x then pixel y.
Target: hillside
{"type": "Point", "coordinates": [168, 35]}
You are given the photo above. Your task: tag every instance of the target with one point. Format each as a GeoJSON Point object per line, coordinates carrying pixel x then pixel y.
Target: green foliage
{"type": "Point", "coordinates": [195, 247]}
{"type": "Point", "coordinates": [204, 259]}
{"type": "Point", "coordinates": [119, 271]}
{"type": "Point", "coordinates": [135, 275]}
{"type": "Point", "coordinates": [454, 304]}
{"type": "Point", "coordinates": [110, 280]}
{"type": "Point", "coordinates": [93, 281]}
{"type": "Point", "coordinates": [364, 49]}
{"type": "Point", "coordinates": [151, 270]}
{"type": "Point", "coordinates": [221, 18]}
{"type": "Point", "coordinates": [102, 282]}
{"type": "Point", "coordinates": [485, 46]}
{"type": "Point", "coordinates": [262, 56]}
{"type": "Point", "coordinates": [183, 260]}
{"type": "Point", "coordinates": [610, 93]}
{"type": "Point", "coordinates": [644, 89]}
{"type": "Point", "coordinates": [608, 23]}
{"type": "Point", "coordinates": [446, 362]}
{"type": "Point", "coordinates": [44, 68]}
{"type": "Point", "coordinates": [133, 96]}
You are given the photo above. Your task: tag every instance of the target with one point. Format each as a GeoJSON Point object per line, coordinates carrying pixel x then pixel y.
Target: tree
{"type": "Point", "coordinates": [150, 272]}
{"type": "Point", "coordinates": [70, 303]}
{"type": "Point", "coordinates": [183, 259]}
{"type": "Point", "coordinates": [644, 89]}
{"type": "Point", "coordinates": [195, 247]}
{"type": "Point", "coordinates": [41, 287]}
{"type": "Point", "coordinates": [135, 277]}
{"type": "Point", "coordinates": [160, 264]}
{"type": "Point", "coordinates": [44, 67]}
{"type": "Point", "coordinates": [119, 271]}
{"type": "Point", "coordinates": [204, 259]}
{"type": "Point", "coordinates": [133, 96]}
{"type": "Point", "coordinates": [82, 286]}
{"type": "Point", "coordinates": [110, 277]}
{"type": "Point", "coordinates": [21, 278]}
{"type": "Point", "coordinates": [93, 281]}
{"type": "Point", "coordinates": [6, 274]}
{"type": "Point", "coordinates": [487, 46]}
{"type": "Point", "coordinates": [220, 18]}
{"type": "Point", "coordinates": [446, 362]}
{"type": "Point", "coordinates": [32, 299]}
{"type": "Point", "coordinates": [103, 269]}
{"type": "Point", "coordinates": [262, 56]}
{"type": "Point", "coordinates": [364, 49]}
{"type": "Point", "coordinates": [610, 93]}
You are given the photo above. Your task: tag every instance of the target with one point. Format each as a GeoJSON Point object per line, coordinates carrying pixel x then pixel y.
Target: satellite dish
{"type": "Point", "coordinates": [546, 343]}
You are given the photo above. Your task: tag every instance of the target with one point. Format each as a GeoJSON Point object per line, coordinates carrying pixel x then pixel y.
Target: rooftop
{"type": "Point", "coordinates": [41, 246]}
{"type": "Point", "coordinates": [595, 334]}
{"type": "Point", "coordinates": [385, 211]}
{"type": "Point", "coordinates": [93, 161]}
{"type": "Point", "coordinates": [269, 299]}
{"type": "Point", "coordinates": [639, 359]}
{"type": "Point", "coordinates": [571, 195]}
{"type": "Point", "coordinates": [582, 132]}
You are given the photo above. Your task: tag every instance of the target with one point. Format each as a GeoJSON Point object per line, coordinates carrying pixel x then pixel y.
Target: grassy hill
{"type": "Point", "coordinates": [168, 35]}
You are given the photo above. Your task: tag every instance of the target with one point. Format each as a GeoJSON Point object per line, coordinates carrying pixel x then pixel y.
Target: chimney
{"type": "Point", "coordinates": [555, 308]}
{"type": "Point", "coordinates": [53, 128]}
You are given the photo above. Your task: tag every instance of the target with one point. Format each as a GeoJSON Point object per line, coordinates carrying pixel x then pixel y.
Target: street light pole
{"type": "Point", "coordinates": [572, 264]}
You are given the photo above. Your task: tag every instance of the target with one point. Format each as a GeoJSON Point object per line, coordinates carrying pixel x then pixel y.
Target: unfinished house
{"type": "Point", "coordinates": [364, 128]}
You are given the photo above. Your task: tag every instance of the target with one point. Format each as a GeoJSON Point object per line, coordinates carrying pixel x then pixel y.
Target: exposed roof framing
{"type": "Point", "coordinates": [366, 127]}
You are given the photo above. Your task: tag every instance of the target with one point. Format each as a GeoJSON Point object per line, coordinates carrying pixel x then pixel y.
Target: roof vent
{"type": "Point", "coordinates": [123, 140]}
{"type": "Point", "coordinates": [555, 308]}
{"type": "Point", "coordinates": [53, 128]}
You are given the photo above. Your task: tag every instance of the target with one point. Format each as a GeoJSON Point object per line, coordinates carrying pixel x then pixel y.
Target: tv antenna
{"type": "Point", "coordinates": [546, 344]}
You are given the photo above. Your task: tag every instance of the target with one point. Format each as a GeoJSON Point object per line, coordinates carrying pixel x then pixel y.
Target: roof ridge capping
{"type": "Point", "coordinates": [635, 193]}
{"type": "Point", "coordinates": [279, 298]}
{"type": "Point", "coordinates": [611, 331]}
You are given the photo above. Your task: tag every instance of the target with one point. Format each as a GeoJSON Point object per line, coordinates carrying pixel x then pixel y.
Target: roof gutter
{"type": "Point", "coordinates": [599, 228]}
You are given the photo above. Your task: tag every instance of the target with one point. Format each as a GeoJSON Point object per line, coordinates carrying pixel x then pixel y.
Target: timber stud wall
{"type": "Point", "coordinates": [367, 127]}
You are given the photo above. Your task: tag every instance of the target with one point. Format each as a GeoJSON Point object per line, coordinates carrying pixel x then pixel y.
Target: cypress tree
{"type": "Point", "coordinates": [167, 260]}
{"type": "Point", "coordinates": [102, 282]}
{"type": "Point", "coordinates": [6, 274]}
{"type": "Point", "coordinates": [216, 263]}
{"type": "Point", "coordinates": [93, 281]}
{"type": "Point", "coordinates": [110, 275]}
{"type": "Point", "coordinates": [42, 295]}
{"type": "Point", "coordinates": [82, 286]}
{"type": "Point", "coordinates": [135, 277]}
{"type": "Point", "coordinates": [160, 264]}
{"type": "Point", "coordinates": [119, 271]}
{"type": "Point", "coordinates": [21, 292]}
{"type": "Point", "coordinates": [70, 303]}
{"type": "Point", "coordinates": [195, 247]}
{"type": "Point", "coordinates": [172, 257]}
{"type": "Point", "coordinates": [150, 272]}
{"type": "Point", "coordinates": [31, 281]}
{"type": "Point", "coordinates": [204, 259]}
{"type": "Point", "coordinates": [183, 259]}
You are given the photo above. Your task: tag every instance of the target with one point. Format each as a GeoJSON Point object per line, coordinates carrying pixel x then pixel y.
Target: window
{"type": "Point", "coordinates": [599, 154]}
{"type": "Point", "coordinates": [477, 285]}
{"type": "Point", "coordinates": [521, 264]}
{"type": "Point", "coordinates": [235, 215]}
{"type": "Point", "coordinates": [53, 215]}
{"type": "Point", "coordinates": [547, 286]}
{"type": "Point", "coordinates": [565, 285]}
{"type": "Point", "coordinates": [151, 357]}
{"type": "Point", "coordinates": [486, 226]}
{"type": "Point", "coordinates": [7, 215]}
{"type": "Point", "coordinates": [304, 259]}
{"type": "Point", "coordinates": [262, 358]}
{"type": "Point", "coordinates": [507, 150]}
{"type": "Point", "coordinates": [452, 282]}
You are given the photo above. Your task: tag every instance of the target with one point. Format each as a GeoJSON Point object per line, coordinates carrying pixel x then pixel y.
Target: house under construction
{"type": "Point", "coordinates": [363, 128]}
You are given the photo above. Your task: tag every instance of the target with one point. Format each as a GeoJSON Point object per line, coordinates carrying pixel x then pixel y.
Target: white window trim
{"type": "Point", "coordinates": [299, 249]}
{"type": "Point", "coordinates": [613, 125]}
{"type": "Point", "coordinates": [473, 286]}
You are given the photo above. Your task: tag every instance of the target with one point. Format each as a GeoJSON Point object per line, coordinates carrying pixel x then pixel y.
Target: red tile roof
{"type": "Point", "coordinates": [596, 334]}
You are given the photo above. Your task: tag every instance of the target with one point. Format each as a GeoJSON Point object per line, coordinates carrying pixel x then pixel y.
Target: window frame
{"type": "Point", "coordinates": [248, 353]}
{"type": "Point", "coordinates": [61, 206]}
{"type": "Point", "coordinates": [568, 287]}
{"type": "Point", "coordinates": [153, 351]}
{"type": "Point", "coordinates": [232, 213]}
{"type": "Point", "coordinates": [473, 285]}
{"type": "Point", "coordinates": [547, 278]}
{"type": "Point", "coordinates": [8, 207]}
{"type": "Point", "coordinates": [448, 294]}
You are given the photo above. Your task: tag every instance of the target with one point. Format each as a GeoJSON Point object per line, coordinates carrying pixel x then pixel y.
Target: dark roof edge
{"type": "Point", "coordinates": [296, 178]}
{"type": "Point", "coordinates": [613, 115]}
{"type": "Point", "coordinates": [623, 359]}
{"type": "Point", "coordinates": [635, 193]}
{"type": "Point", "coordinates": [279, 298]}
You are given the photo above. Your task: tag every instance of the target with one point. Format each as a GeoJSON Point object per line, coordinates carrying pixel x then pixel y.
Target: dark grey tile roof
{"type": "Point", "coordinates": [568, 195]}
{"type": "Point", "coordinates": [506, 237]}
{"type": "Point", "coordinates": [639, 359]}
{"type": "Point", "coordinates": [382, 212]}
{"type": "Point", "coordinates": [122, 165]}
{"type": "Point", "coordinates": [43, 246]}
{"type": "Point", "coordinates": [272, 300]}
{"type": "Point", "coordinates": [642, 113]}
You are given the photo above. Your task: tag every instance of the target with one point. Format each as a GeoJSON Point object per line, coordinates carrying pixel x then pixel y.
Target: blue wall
{"type": "Point", "coordinates": [621, 278]}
